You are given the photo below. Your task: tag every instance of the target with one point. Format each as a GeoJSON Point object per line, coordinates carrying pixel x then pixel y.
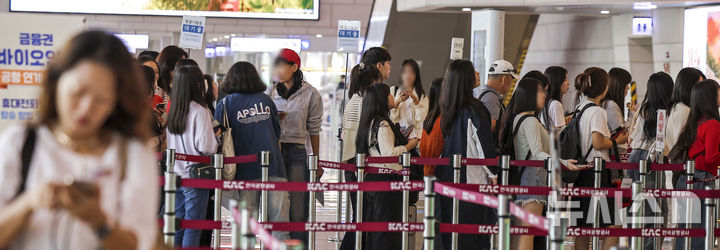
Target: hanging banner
{"type": "Point", "coordinates": [348, 40]}
{"type": "Point", "coordinates": [456, 48]}
{"type": "Point", "coordinates": [27, 44]}
{"type": "Point", "coordinates": [191, 32]}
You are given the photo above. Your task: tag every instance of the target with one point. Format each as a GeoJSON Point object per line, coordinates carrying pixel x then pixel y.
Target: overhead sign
{"type": "Point", "coordinates": [456, 48]}
{"type": "Point", "coordinates": [348, 39]}
{"type": "Point", "coordinates": [191, 32]}
{"type": "Point", "coordinates": [28, 44]}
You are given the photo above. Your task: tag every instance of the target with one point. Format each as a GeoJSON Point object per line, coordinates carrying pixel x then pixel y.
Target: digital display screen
{"type": "Point", "coordinates": [701, 40]}
{"type": "Point", "coordinates": [270, 9]}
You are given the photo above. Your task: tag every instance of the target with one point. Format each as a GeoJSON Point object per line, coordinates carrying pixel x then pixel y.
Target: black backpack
{"type": "Point", "coordinates": [508, 148]}
{"type": "Point", "coordinates": [570, 147]}
{"type": "Point", "coordinates": [416, 171]}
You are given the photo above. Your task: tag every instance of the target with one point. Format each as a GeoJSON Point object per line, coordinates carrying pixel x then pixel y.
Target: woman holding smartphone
{"type": "Point", "coordinates": [80, 176]}
{"type": "Point", "coordinates": [410, 102]}
{"type": "Point", "coordinates": [300, 109]}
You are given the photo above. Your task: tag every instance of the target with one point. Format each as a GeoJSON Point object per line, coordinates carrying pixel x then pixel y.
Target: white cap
{"type": "Point", "coordinates": [502, 67]}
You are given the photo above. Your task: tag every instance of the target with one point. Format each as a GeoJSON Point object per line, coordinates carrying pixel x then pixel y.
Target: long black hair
{"type": "Point", "coordinates": [419, 91]}
{"type": "Point", "coordinates": [210, 93]}
{"type": "Point", "coordinates": [619, 80]}
{"type": "Point", "coordinates": [242, 77]}
{"type": "Point", "coordinates": [167, 59]}
{"type": "Point", "coordinates": [659, 90]}
{"type": "Point", "coordinates": [297, 80]}
{"type": "Point", "coordinates": [188, 87]}
{"type": "Point", "coordinates": [374, 109]}
{"type": "Point", "coordinates": [556, 76]}
{"type": "Point", "coordinates": [361, 77]}
{"type": "Point", "coordinates": [457, 93]}
{"type": "Point", "coordinates": [703, 105]}
{"type": "Point", "coordinates": [686, 78]}
{"type": "Point", "coordinates": [524, 99]}
{"type": "Point", "coordinates": [433, 107]}
{"type": "Point", "coordinates": [544, 83]}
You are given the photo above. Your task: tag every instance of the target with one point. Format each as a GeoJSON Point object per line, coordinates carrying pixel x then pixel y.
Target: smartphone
{"type": "Point", "coordinates": [160, 106]}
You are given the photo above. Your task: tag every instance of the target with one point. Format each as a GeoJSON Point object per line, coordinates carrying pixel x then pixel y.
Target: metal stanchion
{"type": "Point", "coordinates": [313, 165]}
{"type": "Point", "coordinates": [429, 220]}
{"type": "Point", "coordinates": [264, 177]}
{"type": "Point", "coordinates": [405, 160]}
{"type": "Point", "coordinates": [548, 168]}
{"type": "Point", "coordinates": [456, 165]}
{"type": "Point", "coordinates": [659, 184]}
{"type": "Point", "coordinates": [235, 227]}
{"type": "Point", "coordinates": [170, 188]}
{"type": "Point", "coordinates": [643, 171]}
{"type": "Point", "coordinates": [218, 165]}
{"type": "Point", "coordinates": [557, 232]}
{"type": "Point", "coordinates": [358, 209]}
{"type": "Point", "coordinates": [247, 237]}
{"type": "Point", "coordinates": [504, 222]}
{"type": "Point", "coordinates": [598, 163]}
{"type": "Point", "coordinates": [710, 226]}
{"type": "Point", "coordinates": [636, 243]}
{"type": "Point", "coordinates": [505, 169]}
{"type": "Point", "coordinates": [689, 175]}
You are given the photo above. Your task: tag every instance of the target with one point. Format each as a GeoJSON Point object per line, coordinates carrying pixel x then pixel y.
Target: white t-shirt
{"type": "Point", "coordinates": [132, 204]}
{"type": "Point", "coordinates": [675, 123]}
{"type": "Point", "coordinates": [593, 120]}
{"type": "Point", "coordinates": [350, 121]}
{"type": "Point", "coordinates": [199, 137]}
{"type": "Point", "coordinates": [556, 115]}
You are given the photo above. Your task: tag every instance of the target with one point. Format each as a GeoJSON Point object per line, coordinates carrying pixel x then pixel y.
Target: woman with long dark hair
{"type": "Point", "coordinates": [300, 108]}
{"type": "Point", "coordinates": [679, 106]}
{"type": "Point", "coordinates": [189, 131]}
{"type": "Point", "coordinates": [466, 127]}
{"type": "Point", "coordinates": [410, 101]}
{"type": "Point", "coordinates": [80, 176]}
{"type": "Point", "coordinates": [523, 134]}
{"type": "Point", "coordinates": [701, 142]}
{"type": "Point", "coordinates": [614, 101]}
{"type": "Point", "coordinates": [166, 61]}
{"type": "Point", "coordinates": [211, 92]}
{"type": "Point", "coordinates": [379, 136]}
{"type": "Point", "coordinates": [595, 141]}
{"type": "Point", "coordinates": [432, 143]}
{"type": "Point", "coordinates": [553, 115]}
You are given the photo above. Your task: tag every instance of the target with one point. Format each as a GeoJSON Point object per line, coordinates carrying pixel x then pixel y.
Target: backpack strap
{"type": "Point", "coordinates": [515, 131]}
{"type": "Point", "coordinates": [579, 116]}
{"type": "Point", "coordinates": [26, 154]}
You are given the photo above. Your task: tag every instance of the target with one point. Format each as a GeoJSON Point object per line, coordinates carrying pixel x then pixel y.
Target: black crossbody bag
{"type": "Point", "coordinates": [200, 170]}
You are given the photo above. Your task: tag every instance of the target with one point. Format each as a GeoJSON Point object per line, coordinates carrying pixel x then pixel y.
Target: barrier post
{"type": "Point", "coordinates": [358, 210]}
{"type": "Point", "coordinates": [235, 226]}
{"type": "Point", "coordinates": [504, 222]}
{"type": "Point", "coordinates": [218, 165]}
{"type": "Point", "coordinates": [505, 169]}
{"type": "Point", "coordinates": [598, 162]}
{"type": "Point", "coordinates": [548, 168]}
{"type": "Point", "coordinates": [659, 184]}
{"type": "Point", "coordinates": [313, 165]}
{"type": "Point", "coordinates": [689, 175]}
{"type": "Point", "coordinates": [247, 239]}
{"type": "Point", "coordinates": [557, 222]}
{"type": "Point", "coordinates": [170, 188]}
{"type": "Point", "coordinates": [264, 177]}
{"type": "Point", "coordinates": [429, 220]}
{"type": "Point", "coordinates": [636, 243]}
{"type": "Point", "coordinates": [642, 172]}
{"type": "Point", "coordinates": [710, 226]}
{"type": "Point", "coordinates": [405, 160]}
{"type": "Point", "coordinates": [456, 165]}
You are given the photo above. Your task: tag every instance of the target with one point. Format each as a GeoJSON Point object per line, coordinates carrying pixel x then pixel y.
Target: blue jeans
{"type": "Point", "coordinates": [295, 158]}
{"type": "Point", "coordinates": [190, 204]}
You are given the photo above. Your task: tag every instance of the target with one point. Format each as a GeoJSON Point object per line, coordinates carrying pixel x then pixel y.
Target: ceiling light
{"type": "Point", "coordinates": [604, 12]}
{"type": "Point", "coordinates": [226, 37]}
{"type": "Point", "coordinates": [318, 35]}
{"type": "Point", "coordinates": [215, 39]}
{"type": "Point", "coordinates": [233, 34]}
{"type": "Point", "coordinates": [644, 6]}
{"type": "Point", "coordinates": [560, 8]}
{"type": "Point", "coordinates": [466, 9]}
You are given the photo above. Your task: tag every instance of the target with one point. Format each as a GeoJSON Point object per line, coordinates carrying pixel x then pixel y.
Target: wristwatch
{"type": "Point", "coordinates": [103, 231]}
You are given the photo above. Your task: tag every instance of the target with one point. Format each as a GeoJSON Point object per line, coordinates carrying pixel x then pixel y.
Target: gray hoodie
{"type": "Point", "coordinates": [304, 114]}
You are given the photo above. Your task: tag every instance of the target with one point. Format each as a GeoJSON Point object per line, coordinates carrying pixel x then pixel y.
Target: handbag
{"type": "Point", "coordinates": [227, 146]}
{"type": "Point", "coordinates": [199, 170]}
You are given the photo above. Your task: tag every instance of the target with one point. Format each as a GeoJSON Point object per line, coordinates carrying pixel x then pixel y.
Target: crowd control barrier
{"type": "Point", "coordinates": [246, 230]}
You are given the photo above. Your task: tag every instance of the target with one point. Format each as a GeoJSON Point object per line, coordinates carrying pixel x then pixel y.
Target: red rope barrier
{"type": "Point", "coordinates": [343, 227]}
{"type": "Point", "coordinates": [375, 186]}
{"type": "Point", "coordinates": [589, 192]}
{"type": "Point", "coordinates": [382, 160]}
{"type": "Point", "coordinates": [500, 189]}
{"type": "Point", "coordinates": [620, 165]}
{"type": "Point", "coordinates": [486, 162]}
{"type": "Point", "coordinates": [430, 161]}
{"type": "Point", "coordinates": [487, 229]}
{"type": "Point", "coordinates": [667, 167]}
{"type": "Point", "coordinates": [703, 180]}
{"type": "Point", "coordinates": [200, 224]}
{"type": "Point", "coordinates": [192, 158]}
{"type": "Point", "coordinates": [491, 201]}
{"type": "Point", "coordinates": [240, 159]}
{"type": "Point", "coordinates": [527, 163]}
{"type": "Point", "coordinates": [675, 193]}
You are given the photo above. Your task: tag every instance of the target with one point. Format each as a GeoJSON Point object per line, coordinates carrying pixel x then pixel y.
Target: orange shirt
{"type": "Point", "coordinates": [431, 145]}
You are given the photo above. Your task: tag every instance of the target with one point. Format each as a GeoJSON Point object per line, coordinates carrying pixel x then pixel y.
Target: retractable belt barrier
{"type": "Point", "coordinates": [245, 227]}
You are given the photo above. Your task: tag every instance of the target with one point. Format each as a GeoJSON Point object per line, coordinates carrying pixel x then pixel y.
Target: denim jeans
{"type": "Point", "coordinates": [190, 204]}
{"type": "Point", "coordinates": [278, 206]}
{"type": "Point", "coordinates": [695, 243]}
{"type": "Point", "coordinates": [295, 158]}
